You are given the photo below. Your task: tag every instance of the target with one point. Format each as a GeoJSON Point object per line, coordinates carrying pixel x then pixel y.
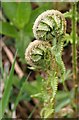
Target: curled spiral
{"type": "Point", "coordinates": [50, 24]}
{"type": "Point", "coordinates": [38, 54]}
{"type": "Point", "coordinates": [49, 27]}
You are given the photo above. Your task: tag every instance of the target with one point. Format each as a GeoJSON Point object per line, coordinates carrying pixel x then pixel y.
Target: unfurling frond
{"type": "Point", "coordinates": [45, 53]}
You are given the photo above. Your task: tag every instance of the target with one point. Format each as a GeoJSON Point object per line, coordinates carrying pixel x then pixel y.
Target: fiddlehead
{"type": "Point", "coordinates": [45, 54]}
{"type": "Point", "coordinates": [50, 25]}
{"type": "Point", "coordinates": [39, 55]}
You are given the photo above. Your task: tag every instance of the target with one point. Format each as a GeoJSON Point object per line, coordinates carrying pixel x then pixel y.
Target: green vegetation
{"type": "Point", "coordinates": [21, 86]}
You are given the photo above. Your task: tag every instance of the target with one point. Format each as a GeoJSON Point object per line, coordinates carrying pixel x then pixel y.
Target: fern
{"type": "Point", "coordinates": [45, 54]}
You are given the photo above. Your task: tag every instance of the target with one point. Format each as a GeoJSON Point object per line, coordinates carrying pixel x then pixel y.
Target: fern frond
{"type": "Point", "coordinates": [45, 54]}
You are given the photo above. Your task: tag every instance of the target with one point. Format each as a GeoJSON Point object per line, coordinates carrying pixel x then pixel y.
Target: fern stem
{"type": "Point", "coordinates": [74, 56]}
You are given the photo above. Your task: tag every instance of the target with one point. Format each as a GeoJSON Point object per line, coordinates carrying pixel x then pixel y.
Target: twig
{"type": "Point", "coordinates": [11, 58]}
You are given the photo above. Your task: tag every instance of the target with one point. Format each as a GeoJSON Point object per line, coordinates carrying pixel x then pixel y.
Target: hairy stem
{"type": "Point", "coordinates": [74, 57]}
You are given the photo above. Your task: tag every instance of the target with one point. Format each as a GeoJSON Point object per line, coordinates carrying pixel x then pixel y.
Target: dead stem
{"type": "Point", "coordinates": [11, 58]}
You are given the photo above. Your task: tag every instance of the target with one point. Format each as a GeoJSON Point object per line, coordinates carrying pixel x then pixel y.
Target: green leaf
{"type": "Point", "coordinates": [17, 12]}
{"type": "Point", "coordinates": [7, 29]}
{"type": "Point", "coordinates": [10, 9]}
{"type": "Point", "coordinates": [21, 44]}
{"type": "Point", "coordinates": [6, 95]}
{"type": "Point", "coordinates": [23, 14]}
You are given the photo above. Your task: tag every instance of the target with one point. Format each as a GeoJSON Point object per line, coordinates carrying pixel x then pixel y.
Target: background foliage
{"type": "Point", "coordinates": [16, 21]}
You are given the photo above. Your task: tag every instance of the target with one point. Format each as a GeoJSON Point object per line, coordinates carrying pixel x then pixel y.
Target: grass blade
{"type": "Point", "coordinates": [21, 90]}
{"type": "Point", "coordinates": [6, 95]}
